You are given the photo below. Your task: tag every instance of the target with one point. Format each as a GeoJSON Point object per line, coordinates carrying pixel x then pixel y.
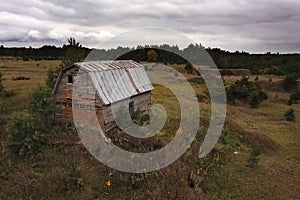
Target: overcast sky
{"type": "Point", "coordinates": [250, 25]}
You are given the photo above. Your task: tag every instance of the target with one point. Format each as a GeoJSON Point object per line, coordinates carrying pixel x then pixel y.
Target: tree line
{"type": "Point", "coordinates": [268, 63]}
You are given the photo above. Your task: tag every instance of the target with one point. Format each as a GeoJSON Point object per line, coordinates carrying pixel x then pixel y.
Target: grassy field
{"type": "Point", "coordinates": [35, 70]}
{"type": "Point", "coordinates": [64, 169]}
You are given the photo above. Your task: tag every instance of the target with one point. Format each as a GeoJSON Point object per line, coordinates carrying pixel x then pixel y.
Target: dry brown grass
{"type": "Point", "coordinates": [35, 70]}
{"type": "Point", "coordinates": [52, 174]}
{"type": "Point", "coordinates": [278, 173]}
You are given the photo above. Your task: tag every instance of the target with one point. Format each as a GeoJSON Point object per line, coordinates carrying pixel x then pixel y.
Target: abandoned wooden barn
{"type": "Point", "coordinates": [112, 81]}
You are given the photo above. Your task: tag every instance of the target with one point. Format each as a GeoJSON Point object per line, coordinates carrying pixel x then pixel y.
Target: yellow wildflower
{"type": "Point", "coordinates": [80, 182]}
{"type": "Point", "coordinates": [108, 183]}
{"type": "Point", "coordinates": [160, 133]}
{"type": "Point", "coordinates": [179, 132]}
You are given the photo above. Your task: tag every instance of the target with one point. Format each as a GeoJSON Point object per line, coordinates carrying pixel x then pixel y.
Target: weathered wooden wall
{"type": "Point", "coordinates": [63, 96]}
{"type": "Point", "coordinates": [140, 102]}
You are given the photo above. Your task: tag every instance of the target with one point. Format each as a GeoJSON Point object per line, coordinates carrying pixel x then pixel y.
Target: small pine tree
{"type": "Point", "coordinates": [289, 82]}
{"type": "Point", "coordinates": [230, 95]}
{"type": "Point", "coordinates": [256, 78]}
{"type": "Point", "coordinates": [245, 90]}
{"type": "Point", "coordinates": [294, 98]}
{"type": "Point", "coordinates": [42, 106]}
{"type": "Point", "coordinates": [270, 80]}
{"type": "Point", "coordinates": [51, 78]}
{"type": "Point", "coordinates": [74, 53]}
{"type": "Point", "coordinates": [3, 110]}
{"type": "Point", "coordinates": [254, 101]}
{"type": "Point", "coordinates": [26, 129]}
{"type": "Point", "coordinates": [289, 115]}
{"type": "Point", "coordinates": [253, 158]}
{"type": "Point", "coordinates": [25, 136]}
{"type": "Point", "coordinates": [262, 95]}
{"type": "Point", "coordinates": [189, 68]}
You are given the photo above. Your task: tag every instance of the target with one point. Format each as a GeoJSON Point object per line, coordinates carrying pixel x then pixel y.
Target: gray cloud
{"type": "Point", "coordinates": [256, 26]}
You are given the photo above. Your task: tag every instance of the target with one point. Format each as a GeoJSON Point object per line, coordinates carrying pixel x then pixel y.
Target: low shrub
{"type": "Point", "coordinates": [289, 115]}
{"type": "Point", "coordinates": [201, 97]}
{"type": "Point", "coordinates": [254, 101]}
{"type": "Point", "coordinates": [294, 98]}
{"type": "Point", "coordinates": [25, 130]}
{"type": "Point", "coordinates": [3, 92]}
{"type": "Point", "coordinates": [9, 93]}
{"type": "Point", "coordinates": [253, 158]}
{"type": "Point", "coordinates": [20, 78]}
{"type": "Point", "coordinates": [140, 118]}
{"type": "Point", "coordinates": [25, 135]}
{"type": "Point", "coordinates": [247, 91]}
{"type": "Point", "coordinates": [189, 68]}
{"type": "Point", "coordinates": [3, 110]}
{"type": "Point", "coordinates": [290, 82]}
{"type": "Point", "coordinates": [42, 106]}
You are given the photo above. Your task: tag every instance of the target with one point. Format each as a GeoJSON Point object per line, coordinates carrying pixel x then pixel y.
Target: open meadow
{"type": "Point", "coordinates": [64, 169]}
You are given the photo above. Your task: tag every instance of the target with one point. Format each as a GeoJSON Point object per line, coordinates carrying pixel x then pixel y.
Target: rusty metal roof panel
{"type": "Point", "coordinates": [117, 80]}
{"type": "Point", "coordinates": [126, 89]}
{"type": "Point", "coordinates": [136, 80]}
{"type": "Point", "coordinates": [142, 75]}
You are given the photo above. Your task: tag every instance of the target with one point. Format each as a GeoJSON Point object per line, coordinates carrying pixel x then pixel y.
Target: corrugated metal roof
{"type": "Point", "coordinates": [107, 65]}
{"type": "Point", "coordinates": [117, 80]}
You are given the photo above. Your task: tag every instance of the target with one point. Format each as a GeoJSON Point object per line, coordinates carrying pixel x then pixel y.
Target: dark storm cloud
{"type": "Point", "coordinates": [267, 25]}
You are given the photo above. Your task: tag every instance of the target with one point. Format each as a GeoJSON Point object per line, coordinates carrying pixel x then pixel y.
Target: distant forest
{"type": "Point", "coordinates": [268, 63]}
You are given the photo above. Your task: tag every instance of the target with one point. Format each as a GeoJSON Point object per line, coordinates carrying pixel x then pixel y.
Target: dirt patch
{"type": "Point", "coordinates": [274, 86]}
{"type": "Point", "coordinates": [197, 80]}
{"type": "Point", "coordinates": [254, 140]}
{"type": "Point", "coordinates": [259, 141]}
{"type": "Point", "coordinates": [279, 98]}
